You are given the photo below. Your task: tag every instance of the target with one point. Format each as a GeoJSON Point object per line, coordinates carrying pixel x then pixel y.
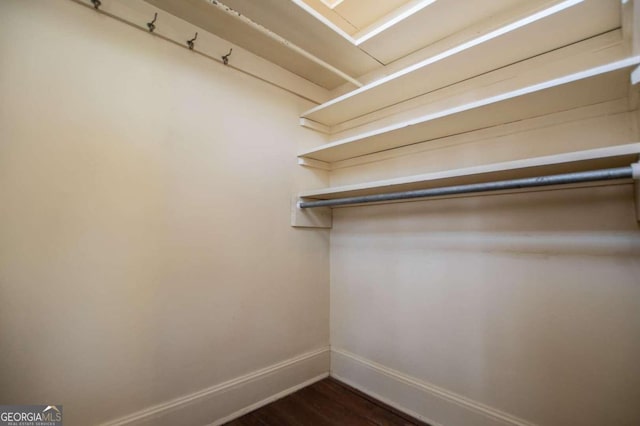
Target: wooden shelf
{"type": "Point", "coordinates": [450, 116]}
{"type": "Point", "coordinates": [528, 34]}
{"type": "Point", "coordinates": [614, 156]}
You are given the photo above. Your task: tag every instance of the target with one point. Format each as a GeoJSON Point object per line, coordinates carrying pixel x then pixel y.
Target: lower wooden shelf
{"type": "Point", "coordinates": [600, 158]}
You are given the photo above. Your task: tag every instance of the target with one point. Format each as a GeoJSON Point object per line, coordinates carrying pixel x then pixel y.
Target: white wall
{"type": "Point", "coordinates": [490, 310]}
{"type": "Point", "coordinates": [145, 245]}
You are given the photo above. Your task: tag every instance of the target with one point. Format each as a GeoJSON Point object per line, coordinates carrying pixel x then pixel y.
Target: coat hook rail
{"type": "Point", "coordinates": [178, 42]}
{"type": "Point", "coordinates": [225, 58]}
{"type": "Point", "coordinates": [152, 25]}
{"type": "Point", "coordinates": [632, 171]}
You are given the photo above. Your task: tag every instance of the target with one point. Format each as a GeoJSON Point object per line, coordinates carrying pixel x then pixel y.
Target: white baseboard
{"type": "Point", "coordinates": [226, 401]}
{"type": "Point", "coordinates": [414, 397]}
{"type": "Point", "coordinates": [268, 400]}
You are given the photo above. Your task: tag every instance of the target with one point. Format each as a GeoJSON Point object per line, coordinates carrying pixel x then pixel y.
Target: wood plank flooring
{"type": "Point", "coordinates": [326, 403]}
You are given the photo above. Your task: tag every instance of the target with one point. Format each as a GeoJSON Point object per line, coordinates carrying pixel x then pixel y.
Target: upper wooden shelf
{"type": "Point", "coordinates": [526, 34]}
{"type": "Point", "coordinates": [600, 158]}
{"type": "Point", "coordinates": [452, 116]}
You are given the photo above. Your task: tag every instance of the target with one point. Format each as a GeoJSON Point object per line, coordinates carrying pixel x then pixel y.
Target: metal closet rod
{"type": "Point", "coordinates": [632, 171]}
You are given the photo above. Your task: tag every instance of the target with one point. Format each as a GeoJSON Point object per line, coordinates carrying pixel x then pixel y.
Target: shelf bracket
{"type": "Point", "coordinates": [634, 89]}
{"type": "Point", "coordinates": [310, 218]}
{"type": "Point", "coordinates": [635, 167]}
{"type": "Point", "coordinates": [313, 125]}
{"type": "Point", "coordinates": [630, 21]}
{"type": "Point", "coordinates": [316, 164]}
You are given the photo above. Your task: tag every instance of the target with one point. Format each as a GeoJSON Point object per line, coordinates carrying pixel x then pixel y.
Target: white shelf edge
{"type": "Point", "coordinates": [522, 22]}
{"type": "Point", "coordinates": [549, 160]}
{"type": "Point", "coordinates": [556, 82]}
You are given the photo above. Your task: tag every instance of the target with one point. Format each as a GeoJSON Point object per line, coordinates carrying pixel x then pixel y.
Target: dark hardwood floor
{"type": "Point", "coordinates": [326, 403]}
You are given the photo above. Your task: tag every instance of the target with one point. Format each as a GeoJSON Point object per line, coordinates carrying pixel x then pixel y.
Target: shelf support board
{"type": "Point", "coordinates": [321, 218]}
{"type": "Point", "coordinates": [634, 89]}
{"type": "Point", "coordinates": [635, 76]}
{"type": "Point", "coordinates": [631, 24]}
{"type": "Point", "coordinates": [313, 125]}
{"type": "Point", "coordinates": [636, 187]}
{"type": "Point", "coordinates": [316, 164]}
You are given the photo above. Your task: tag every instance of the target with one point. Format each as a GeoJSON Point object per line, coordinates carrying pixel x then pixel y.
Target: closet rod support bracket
{"type": "Point", "coordinates": [321, 218]}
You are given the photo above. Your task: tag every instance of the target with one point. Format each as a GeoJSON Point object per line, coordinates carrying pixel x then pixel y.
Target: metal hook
{"type": "Point", "coordinates": [96, 4]}
{"type": "Point", "coordinates": [151, 24]}
{"type": "Point", "coordinates": [225, 58]}
{"type": "Point", "coordinates": [190, 42]}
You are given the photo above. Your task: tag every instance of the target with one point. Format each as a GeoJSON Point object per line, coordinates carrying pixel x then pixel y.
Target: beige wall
{"type": "Point", "coordinates": [146, 252]}
{"type": "Point", "coordinates": [527, 303]}
{"type": "Point", "coordinates": [145, 245]}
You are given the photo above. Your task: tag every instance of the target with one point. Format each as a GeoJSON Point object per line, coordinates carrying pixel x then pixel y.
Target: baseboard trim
{"type": "Point", "coordinates": [406, 393]}
{"type": "Point", "coordinates": [387, 401]}
{"type": "Point", "coordinates": [282, 378]}
{"type": "Point", "coordinates": [268, 400]}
